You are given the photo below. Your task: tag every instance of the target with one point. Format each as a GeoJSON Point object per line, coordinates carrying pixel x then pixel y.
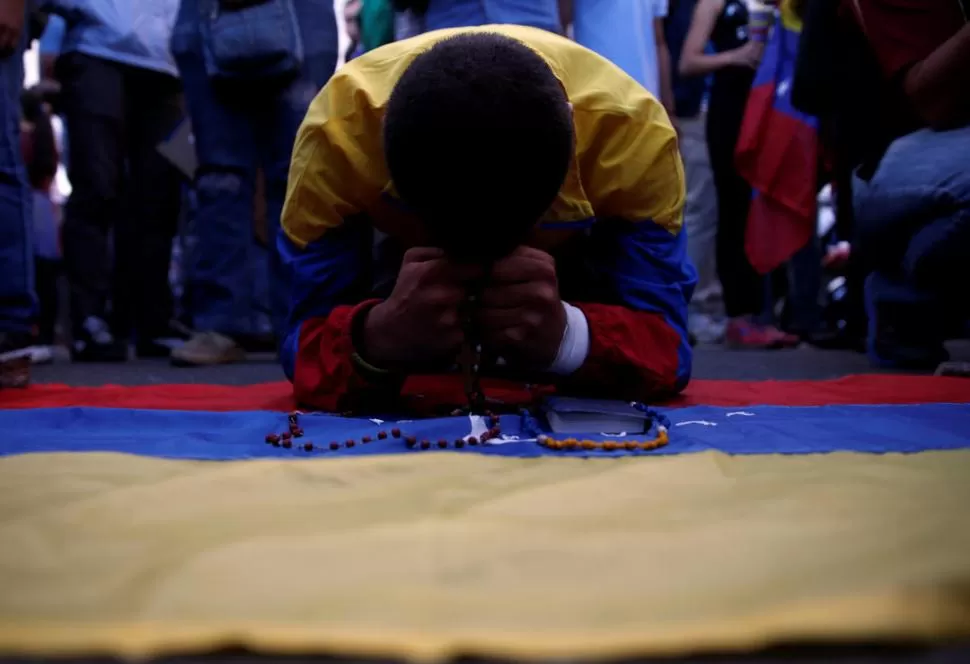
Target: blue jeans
{"type": "Point", "coordinates": [18, 302]}
{"type": "Point", "coordinates": [622, 32]}
{"type": "Point", "coordinates": [469, 13]}
{"type": "Point", "coordinates": [913, 236]}
{"type": "Point", "coordinates": [233, 138]}
{"type": "Point", "coordinates": [913, 216]}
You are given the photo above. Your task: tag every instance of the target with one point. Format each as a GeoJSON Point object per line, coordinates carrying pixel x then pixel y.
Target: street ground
{"type": "Point", "coordinates": [710, 362]}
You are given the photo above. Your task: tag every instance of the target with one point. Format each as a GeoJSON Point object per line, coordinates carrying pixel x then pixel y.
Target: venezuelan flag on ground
{"type": "Point", "coordinates": [155, 520]}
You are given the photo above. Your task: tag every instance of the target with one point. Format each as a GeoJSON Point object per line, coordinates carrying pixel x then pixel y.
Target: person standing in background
{"type": "Point", "coordinates": [629, 33]}
{"type": "Point", "coordinates": [700, 209]}
{"type": "Point", "coordinates": [442, 14]}
{"type": "Point", "coordinates": [415, 17]}
{"type": "Point", "coordinates": [724, 23]}
{"type": "Point", "coordinates": [39, 148]}
{"type": "Point", "coordinates": [121, 97]}
{"type": "Point", "coordinates": [18, 302]}
{"type": "Point", "coordinates": [244, 115]}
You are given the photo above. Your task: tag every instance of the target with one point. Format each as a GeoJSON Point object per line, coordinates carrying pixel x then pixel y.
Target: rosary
{"type": "Point", "coordinates": [470, 357]}
{"type": "Point", "coordinates": [469, 363]}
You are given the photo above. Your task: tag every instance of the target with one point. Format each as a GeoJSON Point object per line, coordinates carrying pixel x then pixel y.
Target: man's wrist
{"type": "Point", "coordinates": [366, 355]}
{"type": "Point", "coordinates": [574, 346]}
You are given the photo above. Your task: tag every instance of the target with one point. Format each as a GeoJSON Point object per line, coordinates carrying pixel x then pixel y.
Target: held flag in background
{"type": "Point", "coordinates": [777, 153]}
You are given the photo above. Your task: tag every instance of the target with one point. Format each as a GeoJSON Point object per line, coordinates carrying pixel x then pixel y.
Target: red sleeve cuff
{"type": "Point", "coordinates": [632, 354]}
{"type": "Point", "coordinates": [325, 376]}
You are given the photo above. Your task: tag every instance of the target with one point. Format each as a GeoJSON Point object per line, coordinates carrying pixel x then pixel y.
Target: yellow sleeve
{"type": "Point", "coordinates": [631, 165]}
{"type": "Point", "coordinates": [337, 166]}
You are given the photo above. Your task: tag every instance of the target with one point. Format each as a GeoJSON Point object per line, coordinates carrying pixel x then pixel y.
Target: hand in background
{"type": "Point", "coordinates": [352, 19]}
{"type": "Point", "coordinates": [749, 55]}
{"type": "Point", "coordinates": [522, 317]}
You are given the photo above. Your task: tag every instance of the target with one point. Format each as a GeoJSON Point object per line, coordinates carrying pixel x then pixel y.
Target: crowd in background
{"type": "Point", "coordinates": [825, 145]}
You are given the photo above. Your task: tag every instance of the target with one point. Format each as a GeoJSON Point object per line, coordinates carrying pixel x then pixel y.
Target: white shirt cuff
{"type": "Point", "coordinates": [574, 346]}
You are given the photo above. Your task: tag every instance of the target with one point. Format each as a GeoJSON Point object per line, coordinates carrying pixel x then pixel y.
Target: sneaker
{"type": "Point", "coordinates": [95, 343]}
{"type": "Point", "coordinates": [41, 354]}
{"type": "Point", "coordinates": [953, 368]}
{"type": "Point", "coordinates": [742, 333]}
{"type": "Point", "coordinates": [705, 328]}
{"type": "Point", "coordinates": [207, 348]}
{"type": "Point", "coordinates": [15, 359]}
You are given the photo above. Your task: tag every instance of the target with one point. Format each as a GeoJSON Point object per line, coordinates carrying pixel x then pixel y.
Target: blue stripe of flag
{"type": "Point", "coordinates": [240, 435]}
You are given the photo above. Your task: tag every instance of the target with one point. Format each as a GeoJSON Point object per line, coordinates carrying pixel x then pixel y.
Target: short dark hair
{"type": "Point", "coordinates": [478, 138]}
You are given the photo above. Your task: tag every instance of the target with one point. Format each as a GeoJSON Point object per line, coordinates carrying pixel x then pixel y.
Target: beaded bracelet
{"type": "Point", "coordinates": [530, 424]}
{"type": "Point", "coordinates": [568, 444]}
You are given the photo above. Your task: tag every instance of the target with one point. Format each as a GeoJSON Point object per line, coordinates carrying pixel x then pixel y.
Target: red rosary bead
{"type": "Point", "coordinates": [350, 443]}
{"type": "Point", "coordinates": [381, 435]}
{"type": "Point", "coordinates": [396, 432]}
{"type": "Point", "coordinates": [335, 445]}
{"type": "Point", "coordinates": [472, 440]}
{"type": "Point", "coordinates": [425, 445]}
{"type": "Point", "coordinates": [287, 444]}
{"type": "Point", "coordinates": [308, 447]}
{"type": "Point", "coordinates": [286, 435]}
{"type": "Point", "coordinates": [411, 442]}
{"type": "Point", "coordinates": [297, 432]}
{"type": "Point", "coordinates": [459, 443]}
{"type": "Point", "coordinates": [442, 443]}
{"type": "Point", "coordinates": [272, 438]}
{"type": "Point", "coordinates": [366, 439]}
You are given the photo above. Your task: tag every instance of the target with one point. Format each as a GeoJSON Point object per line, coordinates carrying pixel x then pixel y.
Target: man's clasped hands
{"type": "Point", "coordinates": [519, 316]}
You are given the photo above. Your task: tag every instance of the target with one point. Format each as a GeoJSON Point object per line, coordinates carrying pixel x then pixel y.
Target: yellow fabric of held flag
{"type": "Point", "coordinates": [626, 162]}
{"type": "Point", "coordinates": [429, 555]}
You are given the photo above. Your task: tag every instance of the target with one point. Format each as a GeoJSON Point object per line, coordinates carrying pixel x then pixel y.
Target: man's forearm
{"type": "Point", "coordinates": [666, 81]}
{"type": "Point", "coordinates": [663, 68]}
{"type": "Point", "coordinates": [565, 14]}
{"type": "Point", "coordinates": [939, 86]}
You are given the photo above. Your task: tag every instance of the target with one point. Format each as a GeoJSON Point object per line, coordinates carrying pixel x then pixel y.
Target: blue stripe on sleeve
{"type": "Point", "coordinates": [649, 270]}
{"type": "Point", "coordinates": [327, 273]}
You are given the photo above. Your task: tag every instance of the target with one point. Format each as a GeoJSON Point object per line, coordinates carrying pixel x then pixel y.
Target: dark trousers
{"type": "Point", "coordinates": [743, 288]}
{"type": "Point", "coordinates": [236, 131]}
{"type": "Point", "coordinates": [47, 271]}
{"type": "Point", "coordinates": [116, 116]}
{"type": "Point", "coordinates": [18, 302]}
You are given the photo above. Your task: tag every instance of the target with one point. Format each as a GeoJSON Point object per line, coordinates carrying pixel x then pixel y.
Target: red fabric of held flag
{"type": "Point", "coordinates": [777, 153]}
